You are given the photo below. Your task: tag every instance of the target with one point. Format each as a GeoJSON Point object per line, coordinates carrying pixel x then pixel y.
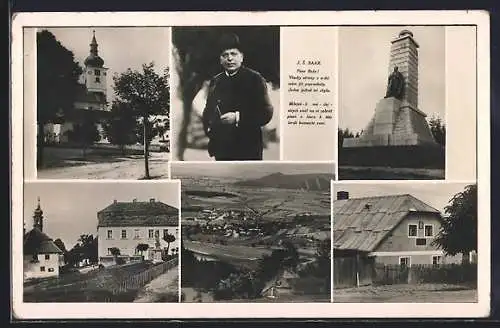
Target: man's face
{"type": "Point", "coordinates": [231, 59]}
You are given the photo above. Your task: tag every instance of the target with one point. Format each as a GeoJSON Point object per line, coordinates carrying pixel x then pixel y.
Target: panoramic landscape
{"type": "Point", "coordinates": [255, 232]}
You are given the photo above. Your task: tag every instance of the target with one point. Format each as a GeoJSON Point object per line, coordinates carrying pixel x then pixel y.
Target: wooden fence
{"type": "Point", "coordinates": [137, 281]}
{"type": "Point", "coordinates": [352, 272]}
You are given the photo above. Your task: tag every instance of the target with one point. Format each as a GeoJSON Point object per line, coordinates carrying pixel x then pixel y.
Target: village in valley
{"type": "Point", "coordinates": [127, 250]}
{"type": "Point", "coordinates": [248, 236]}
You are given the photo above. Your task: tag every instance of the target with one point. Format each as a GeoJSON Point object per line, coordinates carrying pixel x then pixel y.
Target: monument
{"type": "Point", "coordinates": [397, 123]}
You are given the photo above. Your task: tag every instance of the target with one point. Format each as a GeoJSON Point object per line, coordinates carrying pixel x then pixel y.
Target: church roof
{"type": "Point", "coordinates": [150, 213]}
{"type": "Point", "coordinates": [37, 242]}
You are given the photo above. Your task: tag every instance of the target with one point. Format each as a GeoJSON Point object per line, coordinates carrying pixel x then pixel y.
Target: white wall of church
{"type": "Point", "coordinates": [47, 265]}
{"type": "Point", "coordinates": [96, 79]}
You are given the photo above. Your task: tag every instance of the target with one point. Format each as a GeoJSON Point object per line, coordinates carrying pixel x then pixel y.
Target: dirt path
{"type": "Point", "coordinates": [423, 293]}
{"type": "Point", "coordinates": [164, 288]}
{"type": "Point", "coordinates": [126, 168]}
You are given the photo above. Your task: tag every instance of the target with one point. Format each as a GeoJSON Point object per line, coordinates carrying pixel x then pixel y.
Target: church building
{"type": "Point", "coordinates": [41, 256]}
{"type": "Point", "coordinates": [91, 100]}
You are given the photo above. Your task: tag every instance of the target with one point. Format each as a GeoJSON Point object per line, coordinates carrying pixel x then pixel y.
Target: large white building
{"type": "Point", "coordinates": [125, 225]}
{"type": "Point", "coordinates": [41, 256]}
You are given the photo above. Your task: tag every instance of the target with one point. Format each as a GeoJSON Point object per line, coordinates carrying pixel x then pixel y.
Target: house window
{"type": "Point", "coordinates": [97, 72]}
{"type": "Point", "coordinates": [51, 269]}
{"type": "Point", "coordinates": [137, 234]}
{"type": "Point", "coordinates": [412, 230]}
{"type": "Point", "coordinates": [165, 232]}
{"type": "Point", "coordinates": [110, 234]}
{"type": "Point", "coordinates": [47, 257]}
{"type": "Point", "coordinates": [421, 241]}
{"type": "Point", "coordinates": [151, 234]}
{"type": "Point", "coordinates": [97, 79]}
{"type": "Point", "coordinates": [124, 234]}
{"type": "Point", "coordinates": [42, 269]}
{"type": "Point", "coordinates": [429, 230]}
{"type": "Point", "coordinates": [404, 261]}
{"type": "Point", "coordinates": [436, 259]}
{"type": "Point", "coordinates": [109, 251]}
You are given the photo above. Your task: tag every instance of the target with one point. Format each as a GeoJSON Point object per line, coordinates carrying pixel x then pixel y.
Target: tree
{"type": "Point", "coordinates": [88, 247]}
{"type": "Point", "coordinates": [120, 127]}
{"type": "Point", "coordinates": [85, 134]}
{"type": "Point", "coordinates": [115, 252]}
{"type": "Point", "coordinates": [342, 134]}
{"type": "Point", "coordinates": [141, 248]}
{"type": "Point", "coordinates": [147, 94]}
{"type": "Point", "coordinates": [197, 60]}
{"type": "Point", "coordinates": [168, 238]}
{"type": "Point", "coordinates": [57, 83]}
{"type": "Point", "coordinates": [438, 130]}
{"type": "Point", "coordinates": [60, 244]}
{"type": "Point", "coordinates": [458, 233]}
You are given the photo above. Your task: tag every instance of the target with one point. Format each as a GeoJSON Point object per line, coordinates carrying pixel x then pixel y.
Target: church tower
{"type": "Point", "coordinates": [95, 72]}
{"type": "Point", "coordinates": [38, 217]}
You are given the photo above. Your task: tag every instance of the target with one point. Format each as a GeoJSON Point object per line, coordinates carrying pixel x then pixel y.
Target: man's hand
{"type": "Point", "coordinates": [228, 118]}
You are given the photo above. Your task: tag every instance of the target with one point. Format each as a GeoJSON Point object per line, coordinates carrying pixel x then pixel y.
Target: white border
{"type": "Point", "coordinates": [256, 310]}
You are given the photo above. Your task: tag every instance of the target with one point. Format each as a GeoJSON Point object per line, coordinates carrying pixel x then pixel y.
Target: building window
{"type": "Point", "coordinates": [97, 79]}
{"type": "Point", "coordinates": [436, 259]}
{"type": "Point", "coordinates": [124, 234]}
{"type": "Point", "coordinates": [109, 251]}
{"type": "Point", "coordinates": [137, 234]}
{"type": "Point", "coordinates": [151, 234]}
{"type": "Point", "coordinates": [97, 72]}
{"type": "Point", "coordinates": [429, 230]}
{"type": "Point", "coordinates": [90, 72]}
{"type": "Point", "coordinates": [412, 230]}
{"type": "Point", "coordinates": [421, 241]}
{"type": "Point", "coordinates": [42, 269]}
{"type": "Point", "coordinates": [404, 261]}
{"type": "Point", "coordinates": [51, 269]}
{"type": "Point", "coordinates": [165, 232]}
{"type": "Point", "coordinates": [47, 257]}
{"type": "Point", "coordinates": [110, 234]}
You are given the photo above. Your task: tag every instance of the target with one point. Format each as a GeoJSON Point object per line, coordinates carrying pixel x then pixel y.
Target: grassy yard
{"type": "Point", "coordinates": [407, 293]}
{"type": "Point", "coordinates": [93, 286]}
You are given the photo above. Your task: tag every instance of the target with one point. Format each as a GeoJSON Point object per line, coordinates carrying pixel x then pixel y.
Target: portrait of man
{"type": "Point", "coordinates": [237, 106]}
{"type": "Point", "coordinates": [226, 93]}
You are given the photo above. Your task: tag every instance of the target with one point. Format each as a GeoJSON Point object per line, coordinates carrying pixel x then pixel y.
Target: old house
{"type": "Point", "coordinates": [125, 225]}
{"type": "Point", "coordinates": [41, 256]}
{"type": "Point", "coordinates": [389, 230]}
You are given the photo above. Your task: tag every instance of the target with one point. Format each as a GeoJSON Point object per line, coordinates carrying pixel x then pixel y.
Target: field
{"type": "Point", "coordinates": [407, 293]}
{"type": "Point", "coordinates": [94, 286]}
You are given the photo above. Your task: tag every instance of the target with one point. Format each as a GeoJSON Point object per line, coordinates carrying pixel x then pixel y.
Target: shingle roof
{"type": "Point", "coordinates": [37, 242]}
{"type": "Point", "coordinates": [138, 213]}
{"type": "Point", "coordinates": [362, 223]}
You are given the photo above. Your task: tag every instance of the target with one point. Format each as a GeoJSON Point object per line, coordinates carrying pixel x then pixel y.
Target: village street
{"type": "Point", "coordinates": [163, 288]}
{"type": "Point", "coordinates": [130, 167]}
{"type": "Point", "coordinates": [406, 293]}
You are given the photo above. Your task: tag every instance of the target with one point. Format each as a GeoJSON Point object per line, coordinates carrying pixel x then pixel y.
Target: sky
{"type": "Point", "coordinates": [120, 47]}
{"type": "Point", "coordinates": [364, 68]}
{"type": "Point", "coordinates": [247, 170]}
{"type": "Point", "coordinates": [436, 194]}
{"type": "Point", "coordinates": [70, 209]}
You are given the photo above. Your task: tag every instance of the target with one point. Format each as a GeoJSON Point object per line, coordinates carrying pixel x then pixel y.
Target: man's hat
{"type": "Point", "coordinates": [229, 41]}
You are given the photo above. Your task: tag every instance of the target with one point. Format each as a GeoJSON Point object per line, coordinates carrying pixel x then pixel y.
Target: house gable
{"type": "Point", "coordinates": [400, 239]}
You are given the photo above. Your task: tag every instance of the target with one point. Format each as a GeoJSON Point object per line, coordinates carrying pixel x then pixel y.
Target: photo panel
{"type": "Point", "coordinates": [255, 232]}
{"type": "Point", "coordinates": [85, 103]}
{"type": "Point", "coordinates": [226, 93]}
{"type": "Point", "coordinates": [99, 242]}
{"type": "Point", "coordinates": [406, 242]}
{"type": "Point", "coordinates": [407, 102]}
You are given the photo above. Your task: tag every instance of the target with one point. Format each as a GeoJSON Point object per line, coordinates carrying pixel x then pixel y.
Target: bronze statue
{"type": "Point", "coordinates": [395, 85]}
